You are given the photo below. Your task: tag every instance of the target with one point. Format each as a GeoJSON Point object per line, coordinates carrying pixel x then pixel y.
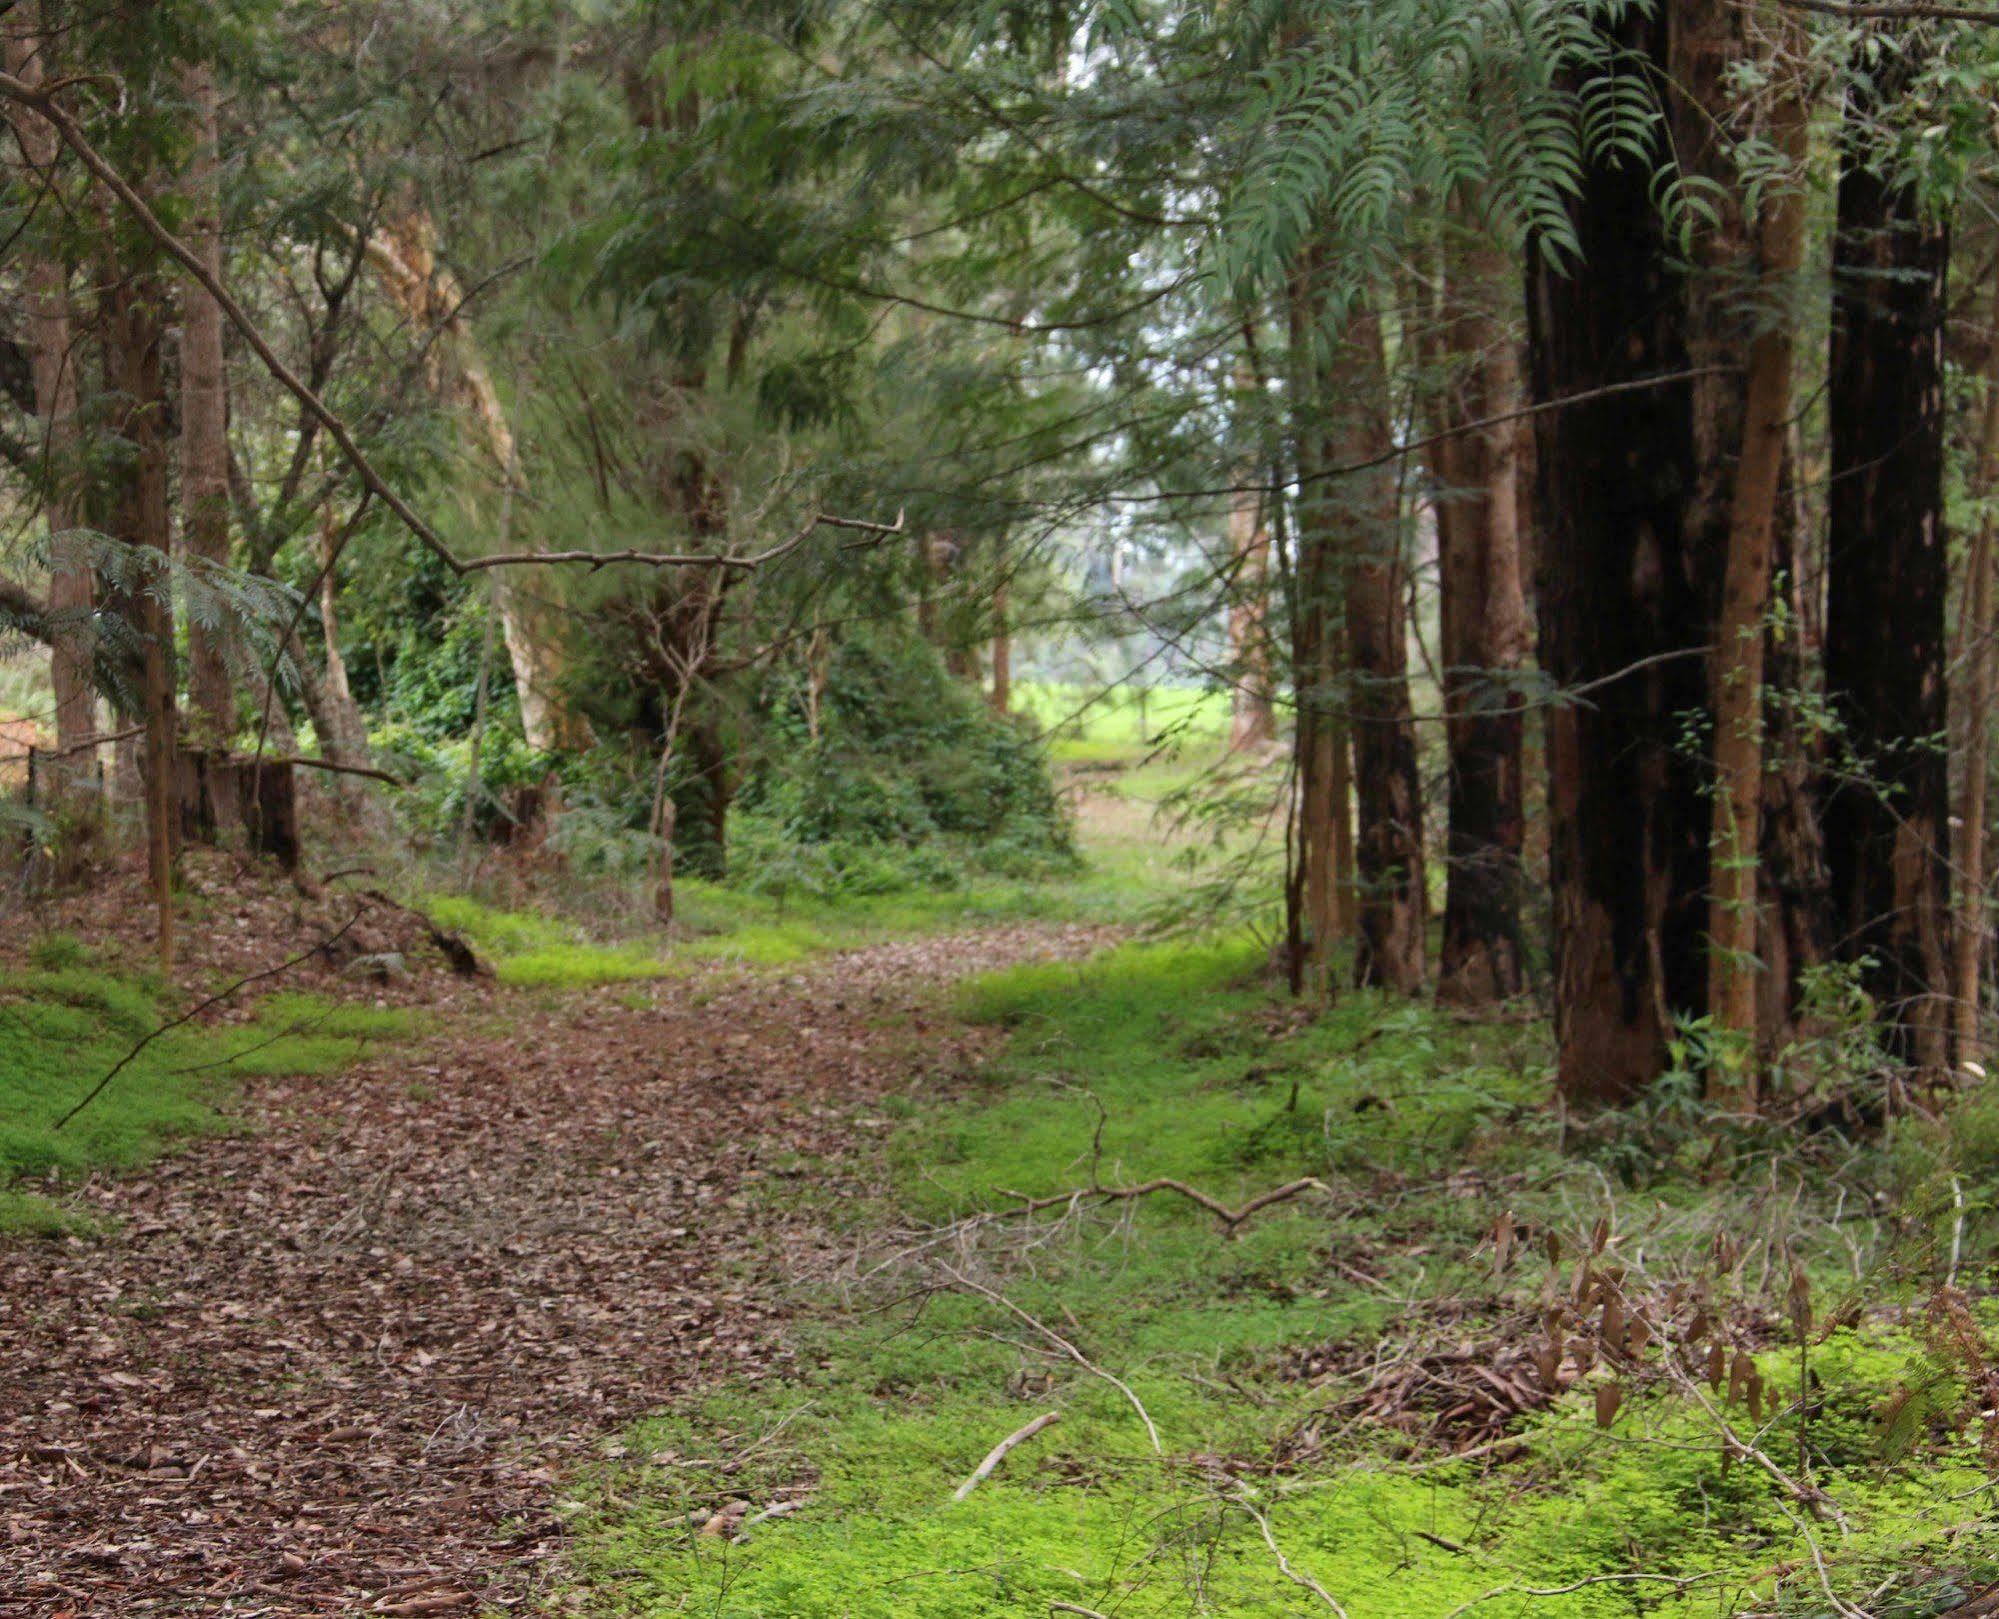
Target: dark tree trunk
{"type": "Point", "coordinates": [1620, 614]}
{"type": "Point", "coordinates": [133, 364]}
{"type": "Point", "coordinates": [1791, 872]}
{"type": "Point", "coordinates": [1313, 894]}
{"type": "Point", "coordinates": [1388, 853]}
{"type": "Point", "coordinates": [1483, 635]}
{"type": "Point", "coordinates": [1887, 817]}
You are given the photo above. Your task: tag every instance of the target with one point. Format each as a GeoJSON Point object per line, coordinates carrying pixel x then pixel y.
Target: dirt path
{"type": "Point", "coordinates": [336, 1365]}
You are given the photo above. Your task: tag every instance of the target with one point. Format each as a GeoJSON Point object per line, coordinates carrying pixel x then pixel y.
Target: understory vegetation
{"type": "Point", "coordinates": [1350, 1381]}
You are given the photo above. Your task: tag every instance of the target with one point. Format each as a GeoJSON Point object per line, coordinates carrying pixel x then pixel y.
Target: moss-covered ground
{"type": "Point", "coordinates": [1452, 1215]}
{"type": "Point", "coordinates": [67, 1018]}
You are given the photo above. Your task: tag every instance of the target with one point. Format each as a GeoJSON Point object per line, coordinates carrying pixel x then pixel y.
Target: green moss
{"type": "Point", "coordinates": [63, 1027]}
{"type": "Point", "coordinates": [1170, 1060]}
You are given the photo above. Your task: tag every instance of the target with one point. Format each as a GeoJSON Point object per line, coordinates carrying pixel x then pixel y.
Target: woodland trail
{"type": "Point", "coordinates": [338, 1363]}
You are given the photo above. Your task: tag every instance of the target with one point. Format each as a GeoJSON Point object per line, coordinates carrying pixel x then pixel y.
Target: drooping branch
{"type": "Point", "coordinates": [42, 100]}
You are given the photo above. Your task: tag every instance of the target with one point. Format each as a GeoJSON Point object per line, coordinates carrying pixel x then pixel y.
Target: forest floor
{"type": "Point", "coordinates": [700, 1280]}
{"type": "Point", "coordinates": [336, 1360]}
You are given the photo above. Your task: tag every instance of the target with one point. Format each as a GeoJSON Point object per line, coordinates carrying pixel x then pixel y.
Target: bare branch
{"type": "Point", "coordinates": [43, 101]}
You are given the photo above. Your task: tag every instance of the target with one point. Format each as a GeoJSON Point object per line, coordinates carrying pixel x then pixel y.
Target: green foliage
{"type": "Point", "coordinates": [908, 769]}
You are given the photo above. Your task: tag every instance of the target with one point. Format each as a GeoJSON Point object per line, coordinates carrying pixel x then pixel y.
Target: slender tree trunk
{"type": "Point", "coordinates": [205, 417]}
{"type": "Point", "coordinates": [53, 361]}
{"type": "Point", "coordinates": [1886, 823]}
{"type": "Point", "coordinates": [134, 309]}
{"type": "Point", "coordinates": [1976, 615]}
{"type": "Point", "coordinates": [1389, 851]}
{"type": "Point", "coordinates": [1620, 613]}
{"type": "Point", "coordinates": [1252, 720]}
{"type": "Point", "coordinates": [345, 737]}
{"type": "Point", "coordinates": [1737, 837]}
{"type": "Point", "coordinates": [1002, 688]}
{"type": "Point", "coordinates": [1314, 911]}
{"type": "Point", "coordinates": [406, 259]}
{"type": "Point", "coordinates": [1483, 622]}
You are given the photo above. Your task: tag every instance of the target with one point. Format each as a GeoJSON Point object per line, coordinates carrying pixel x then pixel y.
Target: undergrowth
{"type": "Point", "coordinates": [1258, 1358]}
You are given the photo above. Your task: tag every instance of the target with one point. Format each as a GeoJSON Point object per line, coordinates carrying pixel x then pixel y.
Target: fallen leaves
{"type": "Point", "coordinates": [339, 1364]}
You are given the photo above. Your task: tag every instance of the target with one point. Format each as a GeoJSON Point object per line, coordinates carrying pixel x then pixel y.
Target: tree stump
{"type": "Point", "coordinates": [252, 800]}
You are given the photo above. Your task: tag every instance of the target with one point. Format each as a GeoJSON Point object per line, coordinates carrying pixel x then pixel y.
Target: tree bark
{"type": "Point", "coordinates": [133, 333]}
{"type": "Point", "coordinates": [1968, 940]}
{"type": "Point", "coordinates": [1886, 821]}
{"type": "Point", "coordinates": [1315, 919]}
{"type": "Point", "coordinates": [52, 360]}
{"type": "Point", "coordinates": [1619, 613]}
{"type": "Point", "coordinates": [1388, 864]}
{"type": "Point", "coordinates": [1252, 719]}
{"type": "Point", "coordinates": [1736, 839]}
{"type": "Point", "coordinates": [1483, 625]}
{"type": "Point", "coordinates": [204, 417]}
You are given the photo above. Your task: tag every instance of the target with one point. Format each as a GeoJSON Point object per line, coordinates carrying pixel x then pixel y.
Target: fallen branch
{"type": "Point", "coordinates": [1065, 1346]}
{"type": "Point", "coordinates": [998, 1453]}
{"type": "Point", "coordinates": [1231, 1218]}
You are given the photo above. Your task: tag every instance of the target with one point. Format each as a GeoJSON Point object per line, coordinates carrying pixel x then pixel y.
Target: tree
{"type": "Point", "coordinates": [204, 414]}
{"type": "Point", "coordinates": [1484, 628]}
{"type": "Point", "coordinates": [1621, 617]}
{"type": "Point", "coordinates": [1737, 837]}
{"type": "Point", "coordinates": [1887, 816]}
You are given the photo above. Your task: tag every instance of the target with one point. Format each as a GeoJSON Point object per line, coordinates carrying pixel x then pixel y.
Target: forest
{"type": "Point", "coordinates": [815, 809]}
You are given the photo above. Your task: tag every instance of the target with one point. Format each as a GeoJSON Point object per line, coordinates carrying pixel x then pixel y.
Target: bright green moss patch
{"type": "Point", "coordinates": [63, 1026]}
{"type": "Point", "coordinates": [1251, 1355]}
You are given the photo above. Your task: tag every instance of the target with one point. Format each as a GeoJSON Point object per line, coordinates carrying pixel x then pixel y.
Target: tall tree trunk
{"type": "Point", "coordinates": [1619, 613]}
{"type": "Point", "coordinates": [1791, 872]}
{"type": "Point", "coordinates": [205, 416]}
{"type": "Point", "coordinates": [1315, 909]}
{"type": "Point", "coordinates": [54, 363]}
{"type": "Point", "coordinates": [1388, 863]}
{"type": "Point", "coordinates": [343, 733]}
{"type": "Point", "coordinates": [1968, 940]}
{"type": "Point", "coordinates": [1737, 837]}
{"type": "Point", "coordinates": [405, 256]}
{"type": "Point", "coordinates": [1252, 719]}
{"type": "Point", "coordinates": [133, 333]}
{"type": "Point", "coordinates": [1002, 687]}
{"type": "Point", "coordinates": [1483, 623]}
{"type": "Point", "coordinates": [1886, 824]}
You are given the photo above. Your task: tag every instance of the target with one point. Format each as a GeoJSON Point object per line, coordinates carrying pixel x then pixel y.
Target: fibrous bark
{"type": "Point", "coordinates": [1887, 817]}
{"type": "Point", "coordinates": [1483, 624]}
{"type": "Point", "coordinates": [1734, 970]}
{"type": "Point", "coordinates": [204, 439]}
{"type": "Point", "coordinates": [53, 362]}
{"type": "Point", "coordinates": [1621, 613]}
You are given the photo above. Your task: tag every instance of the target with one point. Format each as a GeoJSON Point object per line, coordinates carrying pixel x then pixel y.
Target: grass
{"type": "Point", "coordinates": [67, 1020]}
{"type": "Point", "coordinates": [1127, 720]}
{"type": "Point", "coordinates": [1174, 1060]}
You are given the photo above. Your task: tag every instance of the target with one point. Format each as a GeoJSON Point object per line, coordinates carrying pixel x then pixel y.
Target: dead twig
{"type": "Point", "coordinates": [1296, 1576]}
{"type": "Point", "coordinates": [998, 1453]}
{"type": "Point", "coordinates": [199, 1007]}
{"type": "Point", "coordinates": [1064, 1345]}
{"type": "Point", "coordinates": [1231, 1218]}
